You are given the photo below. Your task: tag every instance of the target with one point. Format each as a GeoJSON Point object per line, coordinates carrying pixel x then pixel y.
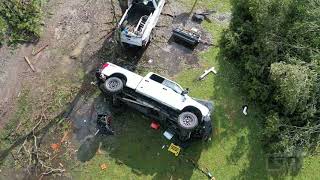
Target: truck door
{"type": "Point", "coordinates": [161, 90]}
{"type": "Point", "coordinates": [151, 87]}
{"type": "Point", "coordinates": [173, 94]}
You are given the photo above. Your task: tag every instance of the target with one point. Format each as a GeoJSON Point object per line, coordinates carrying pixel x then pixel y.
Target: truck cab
{"type": "Point", "coordinates": [164, 90]}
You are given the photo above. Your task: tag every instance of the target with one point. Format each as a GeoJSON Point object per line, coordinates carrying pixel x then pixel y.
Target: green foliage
{"type": "Point", "coordinates": [294, 85]}
{"type": "Point", "coordinates": [23, 19]}
{"type": "Point", "coordinates": [3, 30]}
{"type": "Point", "coordinates": [276, 44]}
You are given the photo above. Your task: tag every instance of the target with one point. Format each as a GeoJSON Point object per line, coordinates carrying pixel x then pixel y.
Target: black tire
{"type": "Point", "coordinates": [113, 85]}
{"type": "Point", "coordinates": [188, 120]}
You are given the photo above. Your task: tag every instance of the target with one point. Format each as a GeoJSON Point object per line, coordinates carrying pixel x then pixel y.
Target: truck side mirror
{"type": "Point", "coordinates": [184, 92]}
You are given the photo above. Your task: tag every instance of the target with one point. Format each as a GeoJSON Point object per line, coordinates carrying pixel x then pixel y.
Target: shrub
{"type": "Point", "coordinates": [23, 19]}
{"type": "Point", "coordinates": [3, 30]}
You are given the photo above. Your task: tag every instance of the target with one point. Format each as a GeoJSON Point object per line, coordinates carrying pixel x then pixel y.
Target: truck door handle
{"type": "Point", "coordinates": [146, 80]}
{"type": "Point", "coordinates": [164, 88]}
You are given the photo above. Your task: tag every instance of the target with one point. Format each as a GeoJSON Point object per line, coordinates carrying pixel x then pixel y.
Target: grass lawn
{"type": "Point", "coordinates": [235, 151]}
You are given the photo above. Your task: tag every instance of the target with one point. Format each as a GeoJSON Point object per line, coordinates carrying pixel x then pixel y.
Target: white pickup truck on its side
{"type": "Point", "coordinates": [159, 94]}
{"type": "Point", "coordinates": [138, 21]}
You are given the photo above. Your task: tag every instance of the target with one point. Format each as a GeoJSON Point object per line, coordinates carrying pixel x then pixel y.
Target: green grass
{"type": "Point", "coordinates": [22, 113]}
{"type": "Point", "coordinates": [219, 5]}
{"type": "Point", "coordinates": [136, 153]}
{"type": "Point", "coordinates": [310, 168]}
{"type": "Point", "coordinates": [3, 30]}
{"type": "Point", "coordinates": [63, 91]}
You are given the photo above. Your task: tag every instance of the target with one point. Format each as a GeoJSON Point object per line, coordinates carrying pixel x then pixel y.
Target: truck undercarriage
{"type": "Point", "coordinates": [165, 116]}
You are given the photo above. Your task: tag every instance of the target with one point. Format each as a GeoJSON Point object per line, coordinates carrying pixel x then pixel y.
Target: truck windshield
{"type": "Point", "coordinates": [172, 86]}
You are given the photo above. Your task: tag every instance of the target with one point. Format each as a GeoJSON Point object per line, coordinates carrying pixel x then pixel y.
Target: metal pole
{"type": "Point", "coordinates": [194, 5]}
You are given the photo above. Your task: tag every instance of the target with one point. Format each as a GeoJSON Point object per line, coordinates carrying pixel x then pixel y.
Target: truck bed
{"type": "Point", "coordinates": [134, 15]}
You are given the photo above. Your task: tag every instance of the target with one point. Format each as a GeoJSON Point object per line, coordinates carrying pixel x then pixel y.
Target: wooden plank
{"type": "Point", "coordinates": [39, 50]}
{"type": "Point", "coordinates": [29, 63]}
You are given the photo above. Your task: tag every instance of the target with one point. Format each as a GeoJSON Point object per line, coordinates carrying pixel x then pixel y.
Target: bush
{"type": "Point", "coordinates": [23, 19]}
{"type": "Point", "coordinates": [294, 87]}
{"type": "Point", "coordinates": [276, 45]}
{"type": "Point", "coordinates": [3, 30]}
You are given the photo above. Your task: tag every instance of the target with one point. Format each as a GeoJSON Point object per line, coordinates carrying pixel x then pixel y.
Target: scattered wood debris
{"type": "Point", "coordinates": [29, 63]}
{"type": "Point", "coordinates": [206, 72]}
{"type": "Point", "coordinates": [103, 166]}
{"type": "Point", "coordinates": [65, 137]}
{"type": "Point", "coordinates": [108, 35]}
{"type": "Point", "coordinates": [205, 170]}
{"type": "Point", "coordinates": [39, 50]}
{"type": "Point", "coordinates": [167, 14]}
{"type": "Point", "coordinates": [99, 151]}
{"type": "Point", "coordinates": [55, 146]}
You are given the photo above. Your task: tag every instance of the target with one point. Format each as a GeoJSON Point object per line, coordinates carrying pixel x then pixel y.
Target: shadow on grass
{"type": "Point", "coordinates": [230, 100]}
{"type": "Point", "coordinates": [139, 147]}
{"type": "Point", "coordinates": [230, 96]}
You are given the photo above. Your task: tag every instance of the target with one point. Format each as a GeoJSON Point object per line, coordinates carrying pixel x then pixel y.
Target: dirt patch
{"type": "Point", "coordinates": [67, 32]}
{"type": "Point", "coordinates": [167, 56]}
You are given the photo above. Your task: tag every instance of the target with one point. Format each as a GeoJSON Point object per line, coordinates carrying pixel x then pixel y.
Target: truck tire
{"type": "Point", "coordinates": [188, 120]}
{"type": "Point", "coordinates": [113, 85]}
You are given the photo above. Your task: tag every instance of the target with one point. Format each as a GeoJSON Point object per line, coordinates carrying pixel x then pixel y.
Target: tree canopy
{"type": "Point", "coordinates": [276, 44]}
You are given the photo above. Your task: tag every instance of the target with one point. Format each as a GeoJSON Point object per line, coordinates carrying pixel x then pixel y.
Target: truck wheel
{"type": "Point", "coordinates": [113, 85]}
{"type": "Point", "coordinates": [188, 120]}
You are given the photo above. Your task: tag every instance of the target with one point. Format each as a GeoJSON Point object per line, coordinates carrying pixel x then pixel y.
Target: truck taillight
{"type": "Point", "coordinates": [104, 66]}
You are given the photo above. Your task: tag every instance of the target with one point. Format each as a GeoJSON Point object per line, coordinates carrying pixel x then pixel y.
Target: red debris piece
{"type": "Point", "coordinates": [155, 125]}
{"type": "Point", "coordinates": [55, 146]}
